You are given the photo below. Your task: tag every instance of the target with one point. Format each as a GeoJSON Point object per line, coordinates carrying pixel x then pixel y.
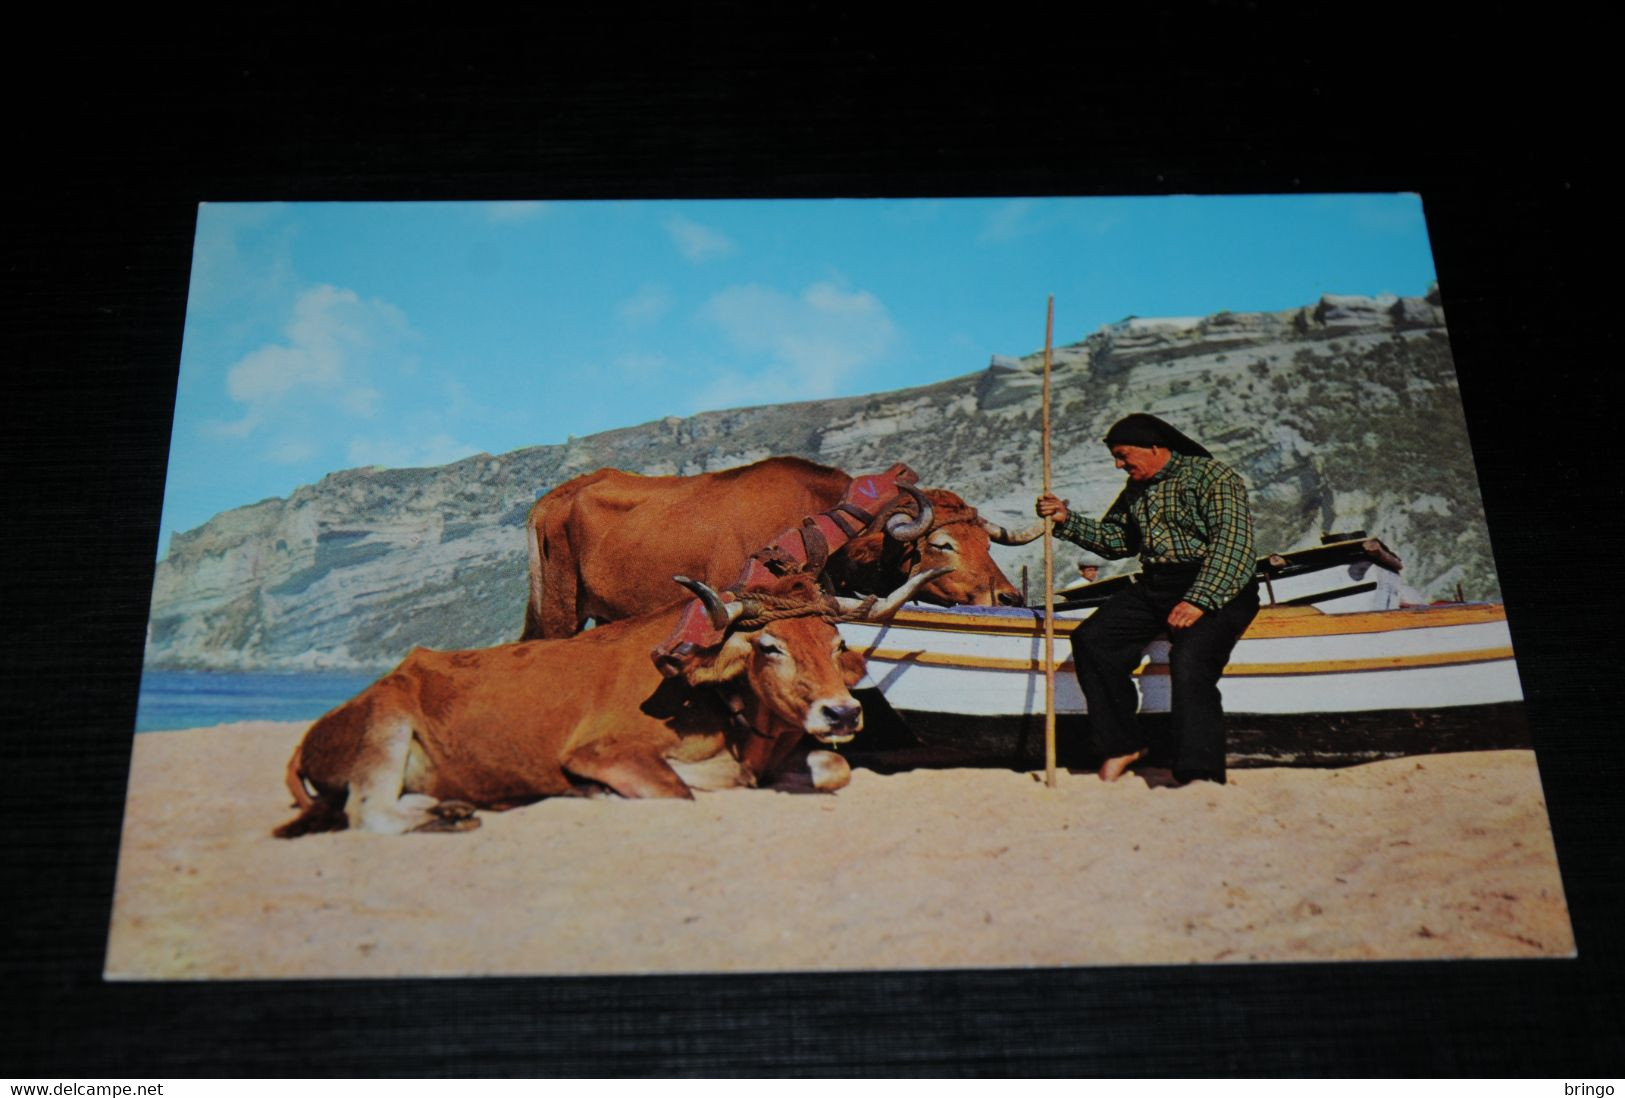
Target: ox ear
{"type": "Point", "coordinates": [853, 667]}
{"type": "Point", "coordinates": [866, 549]}
{"type": "Point", "coordinates": [727, 661]}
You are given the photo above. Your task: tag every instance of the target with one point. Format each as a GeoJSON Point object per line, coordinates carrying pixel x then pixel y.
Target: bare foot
{"type": "Point", "coordinates": [1113, 768]}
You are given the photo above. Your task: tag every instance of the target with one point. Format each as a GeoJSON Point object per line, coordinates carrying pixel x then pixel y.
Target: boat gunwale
{"type": "Point", "coordinates": [1296, 669]}
{"type": "Point", "coordinates": [1272, 623]}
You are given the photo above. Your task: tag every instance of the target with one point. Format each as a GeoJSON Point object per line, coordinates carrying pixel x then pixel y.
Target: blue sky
{"type": "Point", "coordinates": [323, 336]}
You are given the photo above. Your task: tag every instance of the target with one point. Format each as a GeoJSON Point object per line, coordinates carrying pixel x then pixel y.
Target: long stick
{"type": "Point", "coordinates": [1049, 573]}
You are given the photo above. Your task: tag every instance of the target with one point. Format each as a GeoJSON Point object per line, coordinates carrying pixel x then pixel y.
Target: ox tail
{"type": "Point", "coordinates": [533, 546]}
{"type": "Point", "coordinates": [302, 799]}
{"type": "Point", "coordinates": [324, 815]}
{"type": "Point", "coordinates": [316, 813]}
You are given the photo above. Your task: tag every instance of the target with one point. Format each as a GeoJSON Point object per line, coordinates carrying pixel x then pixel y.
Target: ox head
{"type": "Point", "coordinates": [783, 660]}
{"type": "Point", "coordinates": [946, 536]}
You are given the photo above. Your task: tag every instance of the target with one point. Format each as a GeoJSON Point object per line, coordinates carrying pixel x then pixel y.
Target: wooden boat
{"type": "Point", "coordinates": [1338, 667]}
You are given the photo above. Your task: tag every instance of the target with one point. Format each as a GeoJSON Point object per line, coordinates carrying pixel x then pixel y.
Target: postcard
{"type": "Point", "coordinates": [566, 588]}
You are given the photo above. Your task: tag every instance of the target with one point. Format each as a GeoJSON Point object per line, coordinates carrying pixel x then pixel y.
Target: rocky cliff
{"type": "Point", "coordinates": [1341, 415]}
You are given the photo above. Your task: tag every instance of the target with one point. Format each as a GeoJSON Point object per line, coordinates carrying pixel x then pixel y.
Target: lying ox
{"type": "Point", "coordinates": [595, 540]}
{"type": "Point", "coordinates": [448, 732]}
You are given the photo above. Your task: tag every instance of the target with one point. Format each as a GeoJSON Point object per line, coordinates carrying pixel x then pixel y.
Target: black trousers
{"type": "Point", "coordinates": [1107, 648]}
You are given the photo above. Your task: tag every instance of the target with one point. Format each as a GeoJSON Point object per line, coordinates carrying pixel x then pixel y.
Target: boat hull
{"type": "Point", "coordinates": [1302, 686]}
{"type": "Point", "coordinates": [896, 740]}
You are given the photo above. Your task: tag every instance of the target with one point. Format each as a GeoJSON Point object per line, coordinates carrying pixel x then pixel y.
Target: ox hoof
{"type": "Point", "coordinates": [829, 771]}
{"type": "Point", "coordinates": [450, 816]}
{"type": "Point", "coordinates": [437, 825]}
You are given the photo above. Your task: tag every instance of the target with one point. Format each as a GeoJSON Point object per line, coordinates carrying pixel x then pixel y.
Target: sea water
{"type": "Point", "coordinates": [197, 699]}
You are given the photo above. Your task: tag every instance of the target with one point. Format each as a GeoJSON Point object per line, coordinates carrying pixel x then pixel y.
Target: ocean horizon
{"type": "Point", "coordinates": [173, 700]}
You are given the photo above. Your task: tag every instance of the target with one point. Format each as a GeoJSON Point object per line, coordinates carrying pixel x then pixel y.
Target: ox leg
{"type": "Point", "coordinates": [829, 771]}
{"type": "Point", "coordinates": [631, 770]}
{"type": "Point", "coordinates": [720, 771]}
{"type": "Point", "coordinates": [377, 800]}
{"type": "Point", "coordinates": [812, 771]}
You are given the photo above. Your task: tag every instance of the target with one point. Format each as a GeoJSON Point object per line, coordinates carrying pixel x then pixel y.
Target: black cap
{"type": "Point", "coordinates": [1143, 429]}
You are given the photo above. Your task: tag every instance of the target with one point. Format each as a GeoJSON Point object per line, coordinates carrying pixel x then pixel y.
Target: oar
{"type": "Point", "coordinates": [1049, 574]}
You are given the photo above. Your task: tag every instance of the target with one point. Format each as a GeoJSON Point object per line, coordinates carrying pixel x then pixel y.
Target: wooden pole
{"type": "Point", "coordinates": [1049, 572]}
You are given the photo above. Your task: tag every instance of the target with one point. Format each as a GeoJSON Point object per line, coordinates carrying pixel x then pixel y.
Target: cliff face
{"type": "Point", "coordinates": [1340, 415]}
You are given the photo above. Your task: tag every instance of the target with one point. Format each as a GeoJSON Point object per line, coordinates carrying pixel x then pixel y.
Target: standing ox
{"type": "Point", "coordinates": [596, 540]}
{"type": "Point", "coordinates": [448, 732]}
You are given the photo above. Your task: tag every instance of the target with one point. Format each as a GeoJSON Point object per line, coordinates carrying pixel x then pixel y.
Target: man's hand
{"type": "Point", "coordinates": [1184, 615]}
{"type": "Point", "coordinates": [1050, 507]}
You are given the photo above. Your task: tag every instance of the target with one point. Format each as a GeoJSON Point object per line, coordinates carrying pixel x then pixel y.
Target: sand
{"type": "Point", "coordinates": [1442, 856]}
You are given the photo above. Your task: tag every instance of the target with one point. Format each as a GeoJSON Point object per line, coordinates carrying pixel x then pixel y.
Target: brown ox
{"type": "Point", "coordinates": [595, 541]}
{"type": "Point", "coordinates": [448, 732]}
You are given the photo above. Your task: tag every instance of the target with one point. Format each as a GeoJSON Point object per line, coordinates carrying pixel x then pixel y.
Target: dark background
{"type": "Point", "coordinates": [119, 127]}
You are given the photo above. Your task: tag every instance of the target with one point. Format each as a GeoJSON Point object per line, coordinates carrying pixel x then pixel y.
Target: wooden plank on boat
{"type": "Point", "coordinates": [1301, 667]}
{"type": "Point", "coordinates": [1387, 679]}
{"type": "Point", "coordinates": [1272, 621]}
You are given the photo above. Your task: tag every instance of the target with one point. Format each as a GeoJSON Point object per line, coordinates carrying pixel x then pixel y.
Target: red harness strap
{"type": "Point", "coordinates": [801, 548]}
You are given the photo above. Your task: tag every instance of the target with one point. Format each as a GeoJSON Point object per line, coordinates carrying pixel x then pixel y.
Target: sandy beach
{"type": "Point", "coordinates": [1441, 856]}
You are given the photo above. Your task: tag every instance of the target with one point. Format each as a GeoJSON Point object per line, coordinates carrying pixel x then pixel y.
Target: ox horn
{"type": "Point", "coordinates": [899, 528]}
{"type": "Point", "coordinates": [998, 535]}
{"type": "Point", "coordinates": [886, 607]}
{"type": "Point", "coordinates": [722, 613]}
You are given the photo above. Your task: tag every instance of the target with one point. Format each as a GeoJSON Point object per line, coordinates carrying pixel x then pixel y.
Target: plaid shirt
{"type": "Point", "coordinates": [1194, 509]}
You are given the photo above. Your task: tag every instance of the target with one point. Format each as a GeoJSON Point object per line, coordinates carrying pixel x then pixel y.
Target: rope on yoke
{"type": "Point", "coordinates": [771, 608]}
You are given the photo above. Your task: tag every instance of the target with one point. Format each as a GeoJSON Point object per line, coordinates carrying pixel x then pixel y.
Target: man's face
{"type": "Point", "coordinates": [1140, 462]}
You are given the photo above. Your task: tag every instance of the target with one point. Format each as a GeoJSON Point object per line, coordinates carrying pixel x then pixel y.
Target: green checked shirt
{"type": "Point", "coordinates": [1194, 509]}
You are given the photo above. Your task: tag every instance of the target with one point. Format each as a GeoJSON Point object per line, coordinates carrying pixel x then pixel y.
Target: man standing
{"type": "Point", "coordinates": [1186, 516]}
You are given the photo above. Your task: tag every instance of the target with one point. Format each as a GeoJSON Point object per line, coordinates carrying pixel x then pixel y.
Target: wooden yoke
{"type": "Point", "coordinates": [795, 549]}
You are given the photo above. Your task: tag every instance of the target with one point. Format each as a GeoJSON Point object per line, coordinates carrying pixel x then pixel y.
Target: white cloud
{"type": "Point", "coordinates": [805, 346]}
{"type": "Point", "coordinates": [407, 453]}
{"type": "Point", "coordinates": [511, 213]}
{"type": "Point", "coordinates": [242, 263]}
{"type": "Point", "coordinates": [697, 242]}
{"type": "Point", "coordinates": [362, 401]}
{"type": "Point", "coordinates": [640, 367]}
{"type": "Point", "coordinates": [234, 428]}
{"type": "Point", "coordinates": [1009, 221]}
{"type": "Point", "coordinates": [331, 338]}
{"type": "Point", "coordinates": [271, 372]}
{"type": "Point", "coordinates": [459, 403]}
{"type": "Point", "coordinates": [291, 451]}
{"type": "Point", "coordinates": [1395, 215]}
{"type": "Point", "coordinates": [645, 307]}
